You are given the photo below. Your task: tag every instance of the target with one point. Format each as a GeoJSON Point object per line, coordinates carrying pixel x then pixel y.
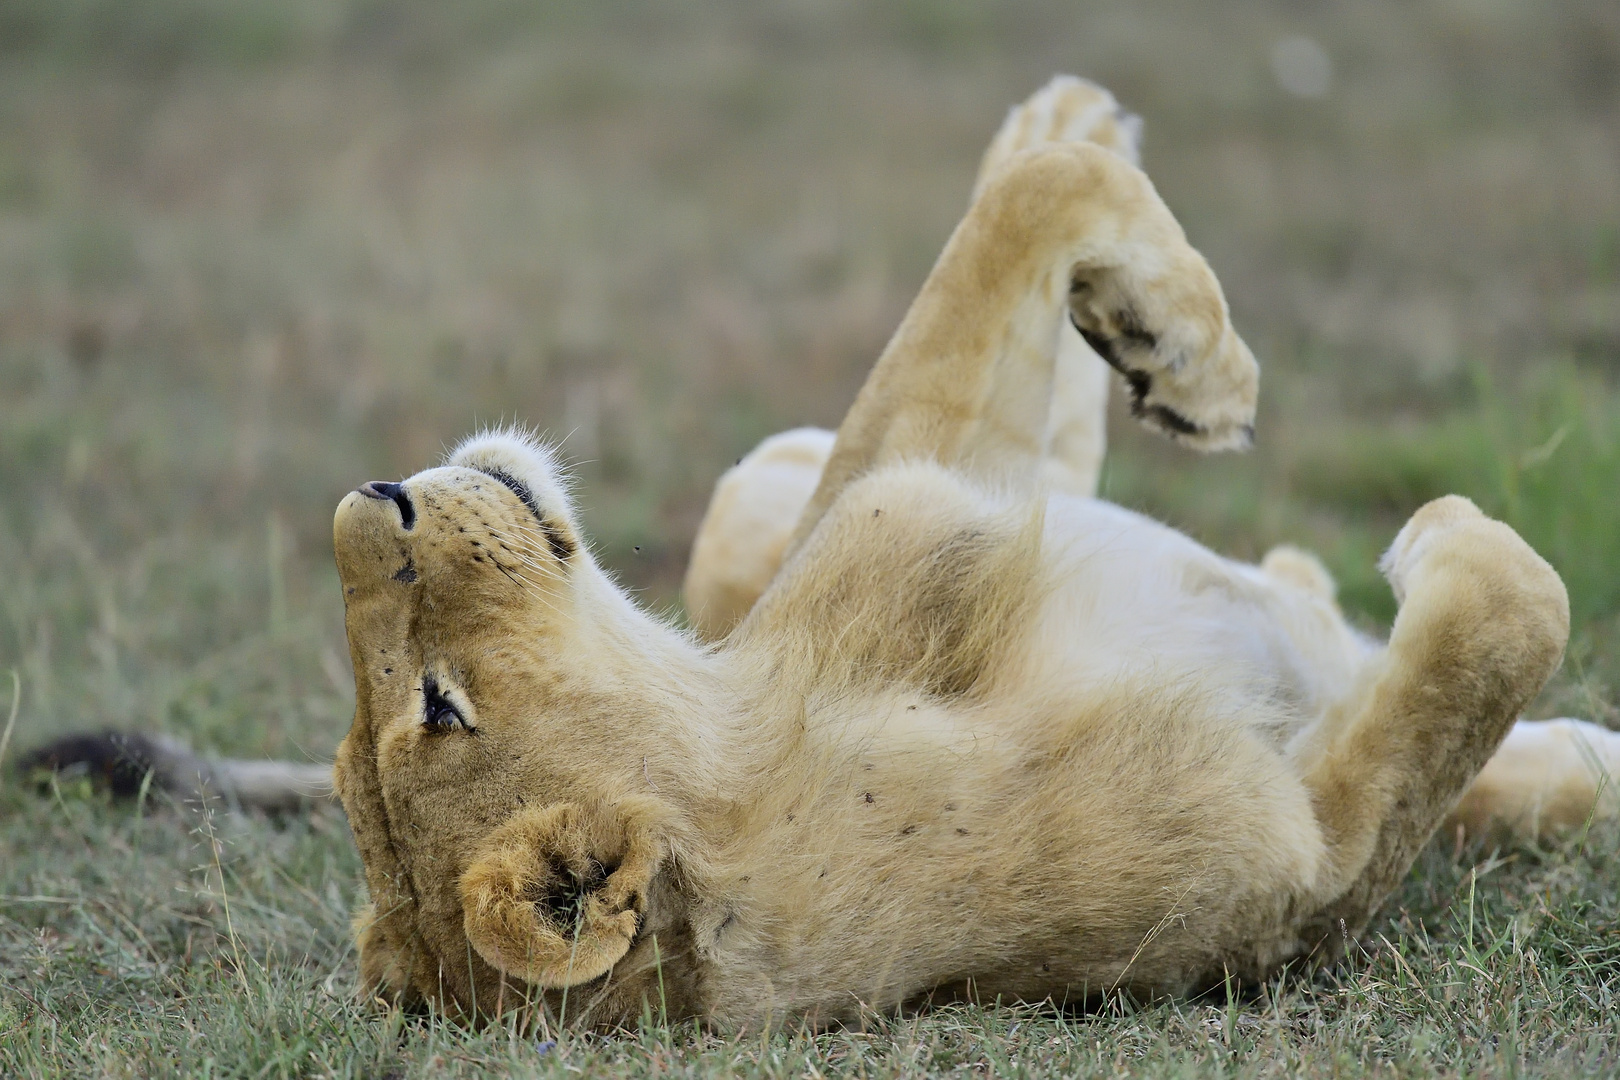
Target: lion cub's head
{"type": "Point", "coordinates": [477, 777]}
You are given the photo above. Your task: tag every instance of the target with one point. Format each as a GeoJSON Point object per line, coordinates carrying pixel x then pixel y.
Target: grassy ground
{"type": "Point", "coordinates": [254, 252]}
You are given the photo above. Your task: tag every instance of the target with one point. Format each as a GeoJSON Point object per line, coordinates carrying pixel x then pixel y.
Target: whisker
{"type": "Point", "coordinates": [537, 539]}
{"type": "Point", "coordinates": [527, 584]}
{"type": "Point", "coordinates": [530, 563]}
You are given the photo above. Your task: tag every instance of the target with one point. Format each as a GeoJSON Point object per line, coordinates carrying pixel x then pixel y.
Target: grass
{"type": "Point", "coordinates": [253, 253]}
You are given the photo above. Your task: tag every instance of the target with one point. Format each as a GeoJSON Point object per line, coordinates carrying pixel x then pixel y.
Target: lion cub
{"type": "Point", "coordinates": [976, 736]}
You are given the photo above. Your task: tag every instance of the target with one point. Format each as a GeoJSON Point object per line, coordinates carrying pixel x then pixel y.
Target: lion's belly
{"type": "Point", "coordinates": [1133, 600]}
{"type": "Point", "coordinates": [1037, 849]}
{"type": "Point", "coordinates": [1114, 809]}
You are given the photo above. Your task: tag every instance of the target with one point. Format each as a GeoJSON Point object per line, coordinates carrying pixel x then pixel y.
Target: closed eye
{"type": "Point", "coordinates": [439, 714]}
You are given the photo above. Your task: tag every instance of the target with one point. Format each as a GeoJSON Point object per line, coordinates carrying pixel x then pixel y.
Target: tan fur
{"type": "Point", "coordinates": [1545, 778]}
{"type": "Point", "coordinates": [502, 889]}
{"type": "Point", "coordinates": [1069, 110]}
{"type": "Point", "coordinates": [1549, 777]}
{"type": "Point", "coordinates": [975, 737]}
{"type": "Point", "coordinates": [749, 522]}
{"type": "Point", "coordinates": [745, 531]}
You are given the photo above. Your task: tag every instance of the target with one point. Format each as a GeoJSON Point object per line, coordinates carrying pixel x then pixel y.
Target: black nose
{"type": "Point", "coordinates": [382, 489]}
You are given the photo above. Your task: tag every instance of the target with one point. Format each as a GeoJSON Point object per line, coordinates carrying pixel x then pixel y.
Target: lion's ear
{"type": "Point", "coordinates": [555, 895]}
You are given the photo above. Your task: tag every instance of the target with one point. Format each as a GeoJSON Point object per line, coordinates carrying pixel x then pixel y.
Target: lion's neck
{"type": "Point", "coordinates": [700, 727]}
{"type": "Point", "coordinates": [665, 702]}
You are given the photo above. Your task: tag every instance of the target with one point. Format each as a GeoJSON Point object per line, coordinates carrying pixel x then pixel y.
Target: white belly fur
{"type": "Point", "coordinates": [1131, 598]}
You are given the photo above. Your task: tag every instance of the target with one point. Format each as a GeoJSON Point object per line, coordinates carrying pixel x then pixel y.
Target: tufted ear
{"type": "Point", "coordinates": [532, 470]}
{"type": "Point", "coordinates": [555, 895]}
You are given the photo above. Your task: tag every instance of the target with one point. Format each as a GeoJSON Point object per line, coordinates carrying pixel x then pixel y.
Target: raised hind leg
{"type": "Point", "coordinates": [1482, 624]}
{"type": "Point", "coordinates": [751, 517]}
{"type": "Point", "coordinates": [1062, 231]}
{"type": "Point", "coordinates": [1069, 109]}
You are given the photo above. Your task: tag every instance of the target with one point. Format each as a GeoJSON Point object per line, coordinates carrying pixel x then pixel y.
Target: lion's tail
{"type": "Point", "coordinates": [126, 763]}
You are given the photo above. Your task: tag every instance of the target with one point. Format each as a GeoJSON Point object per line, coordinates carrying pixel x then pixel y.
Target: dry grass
{"type": "Point", "coordinates": [254, 252]}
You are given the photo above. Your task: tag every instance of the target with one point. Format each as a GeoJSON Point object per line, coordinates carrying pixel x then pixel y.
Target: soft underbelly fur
{"type": "Point", "coordinates": [1038, 849]}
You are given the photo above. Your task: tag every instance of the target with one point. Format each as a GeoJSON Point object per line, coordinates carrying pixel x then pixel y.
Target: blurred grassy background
{"type": "Point", "coordinates": [253, 252]}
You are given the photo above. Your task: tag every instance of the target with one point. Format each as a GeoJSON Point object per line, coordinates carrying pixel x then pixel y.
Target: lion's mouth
{"type": "Point", "coordinates": [382, 489]}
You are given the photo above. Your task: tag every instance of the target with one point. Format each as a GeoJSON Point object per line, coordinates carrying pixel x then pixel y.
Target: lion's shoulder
{"type": "Point", "coordinates": [915, 574]}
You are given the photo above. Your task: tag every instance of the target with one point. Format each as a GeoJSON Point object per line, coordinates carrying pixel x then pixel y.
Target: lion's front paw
{"type": "Point", "coordinates": [555, 895]}
{"type": "Point", "coordinates": [1067, 109]}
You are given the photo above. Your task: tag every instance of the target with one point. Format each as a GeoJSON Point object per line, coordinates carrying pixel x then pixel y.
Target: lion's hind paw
{"type": "Point", "coordinates": [1419, 535]}
{"type": "Point", "coordinates": [1067, 109]}
{"type": "Point", "coordinates": [1191, 377]}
